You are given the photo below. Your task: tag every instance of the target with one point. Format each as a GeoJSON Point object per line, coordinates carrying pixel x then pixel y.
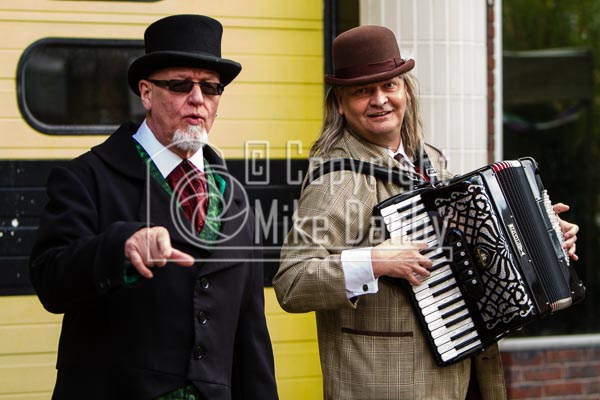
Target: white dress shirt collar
{"type": "Point", "coordinates": [402, 152]}
{"type": "Point", "coordinates": [164, 159]}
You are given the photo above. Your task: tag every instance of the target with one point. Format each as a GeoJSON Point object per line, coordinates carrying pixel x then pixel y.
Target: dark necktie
{"type": "Point", "coordinates": [189, 185]}
{"type": "Point", "coordinates": [404, 162]}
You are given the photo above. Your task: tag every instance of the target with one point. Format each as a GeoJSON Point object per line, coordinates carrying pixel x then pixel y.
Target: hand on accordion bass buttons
{"type": "Point", "coordinates": [400, 259]}
{"type": "Point", "coordinates": [569, 231]}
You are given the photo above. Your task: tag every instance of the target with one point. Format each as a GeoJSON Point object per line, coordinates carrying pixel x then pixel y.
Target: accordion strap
{"type": "Point", "coordinates": [395, 175]}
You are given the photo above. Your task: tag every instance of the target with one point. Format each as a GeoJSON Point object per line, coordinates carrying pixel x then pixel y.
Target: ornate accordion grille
{"type": "Point", "coordinates": [506, 297]}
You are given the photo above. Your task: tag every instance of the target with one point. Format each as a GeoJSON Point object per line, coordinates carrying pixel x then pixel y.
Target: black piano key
{"type": "Point", "coordinates": [457, 320]}
{"type": "Point", "coordinates": [408, 206]}
{"type": "Point", "coordinates": [422, 224]}
{"type": "Point", "coordinates": [422, 236]}
{"type": "Point", "coordinates": [461, 334]}
{"type": "Point", "coordinates": [439, 281]}
{"type": "Point", "coordinates": [449, 303]}
{"type": "Point", "coordinates": [438, 266]}
{"type": "Point", "coordinates": [432, 253]}
{"type": "Point", "coordinates": [444, 290]}
{"type": "Point", "coordinates": [466, 342]}
{"type": "Point", "coordinates": [437, 256]}
{"type": "Point", "coordinates": [454, 311]}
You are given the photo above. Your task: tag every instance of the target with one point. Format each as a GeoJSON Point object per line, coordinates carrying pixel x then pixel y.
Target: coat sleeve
{"type": "Point", "coordinates": [71, 262]}
{"type": "Point", "coordinates": [253, 367]}
{"type": "Point", "coordinates": [333, 214]}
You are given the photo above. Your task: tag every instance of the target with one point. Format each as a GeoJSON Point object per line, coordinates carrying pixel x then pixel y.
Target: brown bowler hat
{"type": "Point", "coordinates": [366, 54]}
{"type": "Point", "coordinates": [183, 41]}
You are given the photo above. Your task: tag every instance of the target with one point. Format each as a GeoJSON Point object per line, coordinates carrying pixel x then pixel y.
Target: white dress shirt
{"type": "Point", "coordinates": [164, 159]}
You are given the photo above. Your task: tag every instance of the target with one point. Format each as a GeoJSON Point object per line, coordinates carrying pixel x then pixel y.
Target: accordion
{"type": "Point", "coordinates": [496, 248]}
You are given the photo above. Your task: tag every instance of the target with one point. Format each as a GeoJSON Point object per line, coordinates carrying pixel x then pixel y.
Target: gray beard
{"type": "Point", "coordinates": [190, 139]}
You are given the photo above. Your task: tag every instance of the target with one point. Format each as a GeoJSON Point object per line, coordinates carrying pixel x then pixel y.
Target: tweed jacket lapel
{"type": "Point", "coordinates": [355, 147]}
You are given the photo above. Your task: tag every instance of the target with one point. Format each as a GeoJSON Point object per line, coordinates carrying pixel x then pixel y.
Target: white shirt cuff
{"type": "Point", "coordinates": [358, 272]}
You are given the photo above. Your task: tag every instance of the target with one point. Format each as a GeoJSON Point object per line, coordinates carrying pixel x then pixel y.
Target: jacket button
{"type": "Point", "coordinates": [204, 283]}
{"type": "Point", "coordinates": [202, 317]}
{"type": "Point", "coordinates": [199, 352]}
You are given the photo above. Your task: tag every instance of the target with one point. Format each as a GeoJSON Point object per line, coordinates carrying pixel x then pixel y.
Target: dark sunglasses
{"type": "Point", "coordinates": [186, 86]}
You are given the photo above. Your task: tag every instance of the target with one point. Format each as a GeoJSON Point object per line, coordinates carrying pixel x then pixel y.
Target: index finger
{"type": "Point", "coordinates": [401, 242]}
{"type": "Point", "coordinates": [420, 244]}
{"type": "Point", "coordinates": [560, 207]}
{"type": "Point", "coordinates": [181, 258]}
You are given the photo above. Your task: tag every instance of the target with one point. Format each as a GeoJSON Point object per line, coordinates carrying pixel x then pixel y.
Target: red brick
{"type": "Point", "coordinates": [506, 358]}
{"type": "Point", "coordinates": [543, 373]}
{"type": "Point", "coordinates": [527, 358]}
{"type": "Point", "coordinates": [565, 355]}
{"type": "Point", "coordinates": [523, 391]}
{"type": "Point", "coordinates": [513, 374]}
{"type": "Point", "coordinates": [592, 387]}
{"type": "Point", "coordinates": [563, 389]}
{"type": "Point", "coordinates": [582, 371]}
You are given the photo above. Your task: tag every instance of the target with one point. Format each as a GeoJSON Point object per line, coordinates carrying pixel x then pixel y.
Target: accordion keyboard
{"type": "Point", "coordinates": [438, 297]}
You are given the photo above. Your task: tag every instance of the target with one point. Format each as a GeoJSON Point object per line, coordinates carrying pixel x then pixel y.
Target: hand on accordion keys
{"type": "Point", "coordinates": [569, 231]}
{"type": "Point", "coordinates": [400, 259]}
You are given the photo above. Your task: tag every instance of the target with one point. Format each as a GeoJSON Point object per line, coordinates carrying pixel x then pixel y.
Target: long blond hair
{"type": "Point", "coordinates": [334, 124]}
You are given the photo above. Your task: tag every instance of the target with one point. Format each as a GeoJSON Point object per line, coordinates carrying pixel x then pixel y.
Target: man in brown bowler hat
{"type": "Point", "coordinates": [370, 341]}
{"type": "Point", "coordinates": [146, 244]}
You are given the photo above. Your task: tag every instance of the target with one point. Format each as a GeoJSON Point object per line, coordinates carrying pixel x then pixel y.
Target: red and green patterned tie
{"type": "Point", "coordinates": [189, 185]}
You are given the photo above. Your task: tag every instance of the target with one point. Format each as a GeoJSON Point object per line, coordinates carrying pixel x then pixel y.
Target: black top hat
{"type": "Point", "coordinates": [183, 41]}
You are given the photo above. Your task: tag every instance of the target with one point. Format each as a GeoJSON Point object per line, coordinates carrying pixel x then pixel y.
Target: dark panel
{"type": "Point", "coordinates": [526, 80]}
{"type": "Point", "coordinates": [22, 198]}
{"type": "Point", "coordinates": [14, 276]}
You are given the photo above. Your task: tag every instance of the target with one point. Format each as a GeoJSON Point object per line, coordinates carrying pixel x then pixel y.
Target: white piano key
{"type": "Point", "coordinates": [453, 344]}
{"type": "Point", "coordinates": [438, 305]}
{"type": "Point", "coordinates": [432, 242]}
{"type": "Point", "coordinates": [415, 213]}
{"type": "Point", "coordinates": [426, 283]}
{"type": "Point", "coordinates": [393, 208]}
{"type": "Point", "coordinates": [437, 323]}
{"type": "Point", "coordinates": [453, 353]}
{"type": "Point", "coordinates": [415, 232]}
{"type": "Point", "coordinates": [427, 292]}
{"type": "Point", "coordinates": [431, 301]}
{"type": "Point", "coordinates": [435, 273]}
{"type": "Point", "coordinates": [443, 334]}
{"type": "Point", "coordinates": [438, 313]}
{"type": "Point", "coordinates": [400, 223]}
{"type": "Point", "coordinates": [433, 252]}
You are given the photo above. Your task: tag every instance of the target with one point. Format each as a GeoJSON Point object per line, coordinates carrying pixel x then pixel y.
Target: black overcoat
{"type": "Point", "coordinates": [203, 324]}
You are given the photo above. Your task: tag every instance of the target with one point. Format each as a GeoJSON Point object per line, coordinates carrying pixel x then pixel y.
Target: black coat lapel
{"type": "Point", "coordinates": [235, 239]}
{"type": "Point", "coordinates": [120, 153]}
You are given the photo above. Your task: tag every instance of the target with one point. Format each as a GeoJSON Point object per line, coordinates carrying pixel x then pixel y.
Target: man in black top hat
{"type": "Point", "coordinates": [146, 244]}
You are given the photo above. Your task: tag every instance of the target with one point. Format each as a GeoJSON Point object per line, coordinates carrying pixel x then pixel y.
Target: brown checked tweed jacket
{"type": "Point", "coordinates": [371, 347]}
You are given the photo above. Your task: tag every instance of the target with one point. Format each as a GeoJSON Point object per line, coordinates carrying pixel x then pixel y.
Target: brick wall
{"type": "Point", "coordinates": [567, 373]}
